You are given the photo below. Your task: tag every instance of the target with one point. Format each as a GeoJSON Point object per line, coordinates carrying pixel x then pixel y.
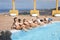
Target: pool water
{"type": "Point", "coordinates": [47, 32]}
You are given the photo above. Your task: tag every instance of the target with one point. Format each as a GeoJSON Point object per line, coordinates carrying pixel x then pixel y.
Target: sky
{"type": "Point", "coordinates": [28, 4]}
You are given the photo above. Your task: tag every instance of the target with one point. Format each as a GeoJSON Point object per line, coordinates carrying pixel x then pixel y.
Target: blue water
{"type": "Point", "coordinates": [48, 32]}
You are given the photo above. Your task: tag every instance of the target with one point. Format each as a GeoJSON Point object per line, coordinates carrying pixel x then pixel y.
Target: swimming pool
{"type": "Point", "coordinates": [47, 32]}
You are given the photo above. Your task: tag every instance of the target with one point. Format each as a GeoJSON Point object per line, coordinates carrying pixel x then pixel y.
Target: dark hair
{"type": "Point", "coordinates": [19, 20]}
{"type": "Point", "coordinates": [15, 19]}
{"type": "Point", "coordinates": [45, 19]}
{"type": "Point", "coordinates": [41, 20]}
{"type": "Point", "coordinates": [34, 21]}
{"type": "Point", "coordinates": [24, 20]}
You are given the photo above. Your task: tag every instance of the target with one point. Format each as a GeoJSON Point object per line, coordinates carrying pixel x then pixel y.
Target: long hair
{"type": "Point", "coordinates": [15, 19]}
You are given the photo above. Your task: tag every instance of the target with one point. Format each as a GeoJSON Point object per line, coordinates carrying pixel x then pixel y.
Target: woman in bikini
{"type": "Point", "coordinates": [13, 25]}
{"type": "Point", "coordinates": [26, 23]}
